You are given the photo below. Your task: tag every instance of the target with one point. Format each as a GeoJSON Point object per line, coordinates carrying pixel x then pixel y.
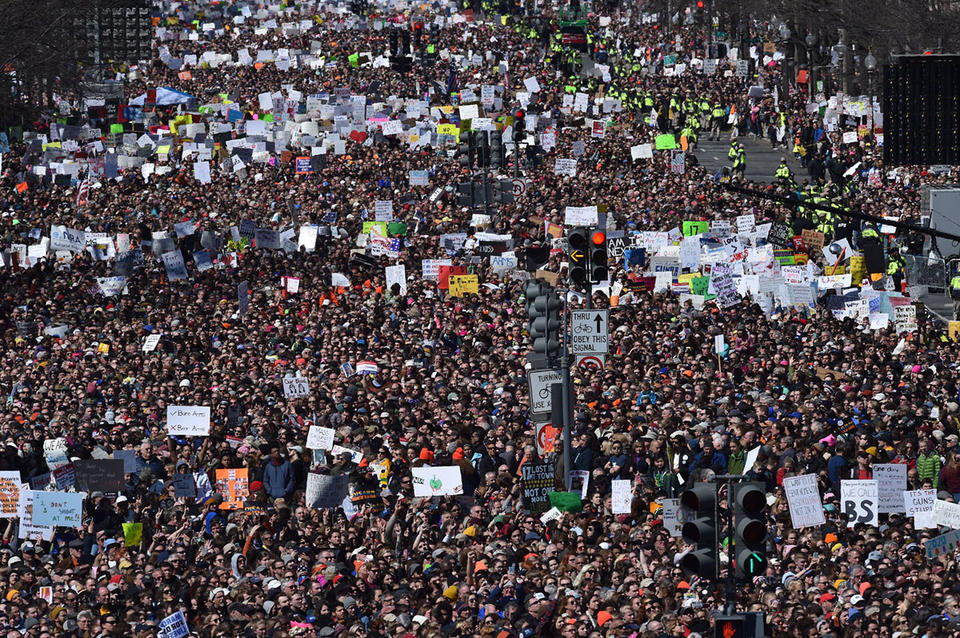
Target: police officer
{"type": "Point", "coordinates": [955, 294]}
{"type": "Point", "coordinates": [738, 156]}
{"type": "Point", "coordinates": [783, 172]}
{"type": "Point", "coordinates": [895, 268]}
{"type": "Point", "coordinates": [869, 236]}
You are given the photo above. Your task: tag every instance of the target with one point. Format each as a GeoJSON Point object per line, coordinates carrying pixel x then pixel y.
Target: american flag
{"type": "Point", "coordinates": [83, 191]}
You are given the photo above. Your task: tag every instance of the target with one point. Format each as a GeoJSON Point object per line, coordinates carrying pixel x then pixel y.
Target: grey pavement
{"type": "Point", "coordinates": [762, 161]}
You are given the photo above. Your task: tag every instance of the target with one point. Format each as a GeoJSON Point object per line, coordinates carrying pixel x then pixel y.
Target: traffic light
{"type": "Point", "coordinates": [598, 256]}
{"type": "Point", "coordinates": [543, 313]}
{"type": "Point", "coordinates": [519, 124]}
{"type": "Point", "coordinates": [701, 532]}
{"type": "Point", "coordinates": [483, 148]}
{"type": "Point", "coordinates": [467, 150]}
{"type": "Point", "coordinates": [577, 254]}
{"type": "Point", "coordinates": [496, 150]}
{"type": "Point", "coordinates": [465, 194]}
{"type": "Point", "coordinates": [731, 627]}
{"type": "Point", "coordinates": [750, 530]}
{"type": "Point", "coordinates": [503, 191]}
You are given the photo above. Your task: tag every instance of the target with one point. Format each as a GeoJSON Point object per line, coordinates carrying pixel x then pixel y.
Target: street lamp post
{"type": "Point", "coordinates": [870, 63]}
{"type": "Point", "coordinates": [811, 42]}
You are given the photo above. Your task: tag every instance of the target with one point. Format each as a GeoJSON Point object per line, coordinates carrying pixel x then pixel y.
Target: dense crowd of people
{"type": "Point", "coordinates": [797, 390]}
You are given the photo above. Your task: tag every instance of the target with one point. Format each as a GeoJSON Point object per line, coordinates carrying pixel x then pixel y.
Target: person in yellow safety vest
{"type": "Point", "coordinates": [691, 136]}
{"type": "Point", "coordinates": [825, 223]}
{"type": "Point", "coordinates": [738, 157]}
{"type": "Point", "coordinates": [716, 120]}
{"type": "Point", "coordinates": [704, 114]}
{"type": "Point", "coordinates": [955, 295]}
{"type": "Point", "coordinates": [895, 269]}
{"type": "Point", "coordinates": [783, 172]}
{"type": "Point", "coordinates": [869, 235]}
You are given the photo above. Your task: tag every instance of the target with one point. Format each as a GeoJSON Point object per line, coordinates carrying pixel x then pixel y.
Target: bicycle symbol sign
{"type": "Point", "coordinates": [589, 331]}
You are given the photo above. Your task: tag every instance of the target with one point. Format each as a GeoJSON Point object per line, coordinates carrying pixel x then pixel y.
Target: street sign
{"type": "Point", "coordinates": [591, 361]}
{"type": "Point", "coordinates": [590, 331]}
{"type": "Point", "coordinates": [546, 438]}
{"type": "Point", "coordinates": [539, 382]}
{"type": "Point", "coordinates": [519, 186]}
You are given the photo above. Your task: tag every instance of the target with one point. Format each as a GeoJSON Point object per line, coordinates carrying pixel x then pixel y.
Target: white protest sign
{"type": "Point", "coordinates": [892, 481]}
{"type": "Point", "coordinates": [174, 626]}
{"type": "Point", "coordinates": [150, 343]}
{"type": "Point", "coordinates": [621, 496]}
{"type": "Point", "coordinates": [383, 210]}
{"type": "Point", "coordinates": [580, 216]}
{"type": "Point", "coordinates": [397, 275]}
{"type": "Point", "coordinates": [943, 545]}
{"type": "Point", "coordinates": [296, 387]}
{"type": "Point", "coordinates": [63, 238]}
{"type": "Point", "coordinates": [174, 264]}
{"type": "Point", "coordinates": [641, 151]}
{"type": "Point", "coordinates": [803, 497]}
{"type": "Point", "coordinates": [443, 480]}
{"type": "Point", "coordinates": [63, 509]}
{"type": "Point", "coordinates": [860, 502]}
{"type": "Point", "coordinates": [916, 501]}
{"type": "Point", "coordinates": [673, 516]}
{"type": "Point", "coordinates": [320, 438]}
{"type": "Point", "coordinates": [946, 514]}
{"type": "Point", "coordinates": [579, 481]}
{"type": "Point", "coordinates": [29, 530]}
{"type": "Point", "coordinates": [188, 420]}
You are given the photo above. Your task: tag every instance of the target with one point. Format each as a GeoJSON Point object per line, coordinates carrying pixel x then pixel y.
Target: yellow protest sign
{"type": "Point", "coordinates": [953, 329]}
{"type": "Point", "coordinates": [132, 534]}
{"type": "Point", "coordinates": [462, 284]}
{"type": "Point", "coordinates": [377, 228]}
{"type": "Point", "coordinates": [858, 269]}
{"type": "Point", "coordinates": [449, 129]}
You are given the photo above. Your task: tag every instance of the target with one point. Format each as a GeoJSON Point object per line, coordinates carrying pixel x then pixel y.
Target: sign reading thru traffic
{"type": "Point", "coordinates": [589, 331]}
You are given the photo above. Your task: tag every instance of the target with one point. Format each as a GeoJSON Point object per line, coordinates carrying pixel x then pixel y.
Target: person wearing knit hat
{"type": "Point", "coordinates": [451, 592]}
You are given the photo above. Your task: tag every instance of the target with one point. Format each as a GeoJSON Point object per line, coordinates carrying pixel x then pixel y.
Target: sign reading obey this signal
{"type": "Point", "coordinates": [589, 331]}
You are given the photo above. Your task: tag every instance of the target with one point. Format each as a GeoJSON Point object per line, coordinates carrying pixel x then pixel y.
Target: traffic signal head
{"type": "Point", "coordinates": [749, 530]}
{"type": "Point", "coordinates": [701, 530]}
{"type": "Point", "coordinates": [577, 252]}
{"type": "Point", "coordinates": [496, 150]}
{"type": "Point", "coordinates": [467, 150]}
{"type": "Point", "coordinates": [598, 256]}
{"type": "Point", "coordinates": [543, 313]}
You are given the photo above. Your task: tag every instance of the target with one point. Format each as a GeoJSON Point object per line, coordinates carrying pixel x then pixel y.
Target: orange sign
{"type": "Point", "coordinates": [233, 486]}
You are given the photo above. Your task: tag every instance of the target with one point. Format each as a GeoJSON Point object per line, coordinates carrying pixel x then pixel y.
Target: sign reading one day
{"type": "Point", "coordinates": [892, 481]}
{"type": "Point", "coordinates": [539, 382]}
{"type": "Point", "coordinates": [589, 329]}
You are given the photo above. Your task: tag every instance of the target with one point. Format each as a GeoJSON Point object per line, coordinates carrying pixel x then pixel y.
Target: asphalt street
{"type": "Point", "coordinates": [762, 160]}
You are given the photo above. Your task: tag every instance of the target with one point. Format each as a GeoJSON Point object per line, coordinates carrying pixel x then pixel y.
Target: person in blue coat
{"type": "Point", "coordinates": [278, 476]}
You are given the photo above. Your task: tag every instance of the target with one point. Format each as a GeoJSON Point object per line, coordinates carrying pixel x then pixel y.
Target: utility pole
{"type": "Point", "coordinates": [566, 399]}
{"type": "Point", "coordinates": [846, 61]}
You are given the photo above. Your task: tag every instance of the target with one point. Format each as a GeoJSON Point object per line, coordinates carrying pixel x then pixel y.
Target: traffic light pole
{"type": "Point", "coordinates": [730, 585]}
{"type": "Point", "coordinates": [486, 200]}
{"type": "Point", "coordinates": [566, 400]}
